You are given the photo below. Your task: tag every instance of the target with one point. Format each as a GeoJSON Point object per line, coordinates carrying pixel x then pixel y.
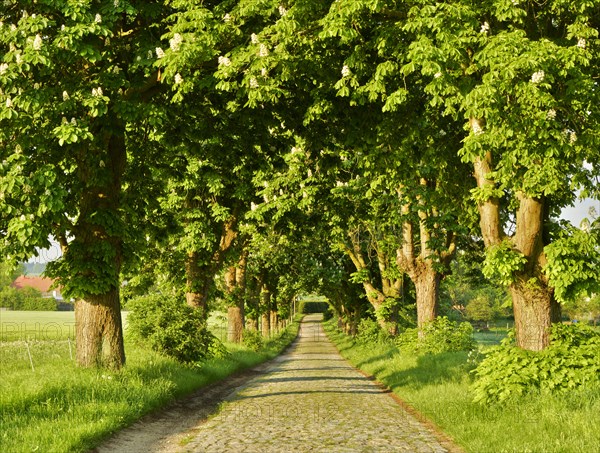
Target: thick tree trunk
{"type": "Point", "coordinates": [274, 321]}
{"type": "Point", "coordinates": [252, 324]}
{"type": "Point", "coordinates": [427, 286]}
{"type": "Point", "coordinates": [265, 327]}
{"type": "Point", "coordinates": [99, 331]}
{"type": "Point", "coordinates": [265, 299]}
{"type": "Point", "coordinates": [235, 285]}
{"type": "Point", "coordinates": [195, 294]}
{"type": "Point", "coordinates": [235, 324]}
{"type": "Point", "coordinates": [534, 305]}
{"type": "Point", "coordinates": [98, 325]}
{"type": "Point", "coordinates": [376, 297]}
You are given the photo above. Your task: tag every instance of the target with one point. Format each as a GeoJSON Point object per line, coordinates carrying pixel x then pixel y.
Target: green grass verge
{"type": "Point", "coordinates": [438, 386]}
{"type": "Point", "coordinates": [62, 408]}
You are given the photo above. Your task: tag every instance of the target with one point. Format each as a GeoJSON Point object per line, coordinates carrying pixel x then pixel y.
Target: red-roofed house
{"type": "Point", "coordinates": [42, 284]}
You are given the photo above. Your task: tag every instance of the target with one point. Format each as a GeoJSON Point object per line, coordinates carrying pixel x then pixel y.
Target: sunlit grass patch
{"type": "Point", "coordinates": [438, 386]}
{"type": "Point", "coordinates": [57, 406]}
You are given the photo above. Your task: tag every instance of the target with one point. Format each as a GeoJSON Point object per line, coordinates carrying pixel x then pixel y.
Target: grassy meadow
{"type": "Point", "coordinates": [438, 386]}
{"type": "Point", "coordinates": [55, 406]}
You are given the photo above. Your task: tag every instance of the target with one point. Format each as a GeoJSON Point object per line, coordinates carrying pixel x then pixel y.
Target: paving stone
{"type": "Point", "coordinates": [312, 400]}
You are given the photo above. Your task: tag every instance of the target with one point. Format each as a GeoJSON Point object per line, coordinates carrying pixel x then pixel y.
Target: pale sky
{"type": "Point", "coordinates": [580, 211]}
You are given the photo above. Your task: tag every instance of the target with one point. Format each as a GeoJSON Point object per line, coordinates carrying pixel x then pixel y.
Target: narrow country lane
{"type": "Point", "coordinates": [310, 399]}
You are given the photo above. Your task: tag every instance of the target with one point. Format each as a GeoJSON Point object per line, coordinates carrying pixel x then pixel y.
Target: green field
{"type": "Point", "coordinates": [36, 325]}
{"type": "Point", "coordinates": [39, 325]}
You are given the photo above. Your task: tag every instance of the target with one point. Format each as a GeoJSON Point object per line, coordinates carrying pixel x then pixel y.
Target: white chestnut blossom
{"type": "Point", "coordinates": [3, 68]}
{"type": "Point", "coordinates": [254, 38]}
{"type": "Point", "coordinates": [116, 3]}
{"type": "Point", "coordinates": [226, 17]}
{"type": "Point", "coordinates": [282, 10]}
{"type": "Point", "coordinates": [485, 28]}
{"type": "Point", "coordinates": [98, 19]}
{"type": "Point", "coordinates": [581, 43]}
{"type": "Point", "coordinates": [264, 72]}
{"type": "Point", "coordinates": [224, 61]}
{"type": "Point", "coordinates": [477, 130]}
{"type": "Point", "coordinates": [551, 114]}
{"type": "Point", "coordinates": [345, 71]}
{"type": "Point", "coordinates": [253, 83]}
{"type": "Point", "coordinates": [538, 76]}
{"type": "Point", "coordinates": [263, 51]}
{"type": "Point", "coordinates": [178, 79]}
{"type": "Point", "coordinates": [175, 42]}
{"type": "Point", "coordinates": [73, 122]}
{"type": "Point", "coordinates": [9, 103]}
{"type": "Point", "coordinates": [572, 138]}
{"type": "Point", "coordinates": [159, 53]}
{"type": "Point", "coordinates": [437, 75]}
{"type": "Point", "coordinates": [37, 42]}
{"type": "Point", "coordinates": [65, 95]}
{"type": "Point", "coordinates": [97, 92]}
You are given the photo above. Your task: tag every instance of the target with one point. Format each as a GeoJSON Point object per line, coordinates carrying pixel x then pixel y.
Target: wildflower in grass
{"type": "Point", "coordinates": [37, 42]}
{"type": "Point", "coordinates": [538, 76]}
{"type": "Point", "coordinates": [159, 53]}
{"type": "Point", "coordinates": [224, 61]}
{"type": "Point", "coordinates": [345, 71]}
{"type": "Point", "coordinates": [175, 42]}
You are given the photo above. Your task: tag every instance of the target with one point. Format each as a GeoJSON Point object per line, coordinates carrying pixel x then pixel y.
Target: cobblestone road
{"type": "Point", "coordinates": [310, 400]}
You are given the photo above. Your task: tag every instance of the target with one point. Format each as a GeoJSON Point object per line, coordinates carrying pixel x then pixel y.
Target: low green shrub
{"type": "Point", "coordinates": [172, 328]}
{"type": "Point", "coordinates": [572, 360]}
{"type": "Point", "coordinates": [252, 339]}
{"type": "Point", "coordinates": [370, 332]}
{"type": "Point", "coordinates": [27, 299]}
{"type": "Point", "coordinates": [440, 335]}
